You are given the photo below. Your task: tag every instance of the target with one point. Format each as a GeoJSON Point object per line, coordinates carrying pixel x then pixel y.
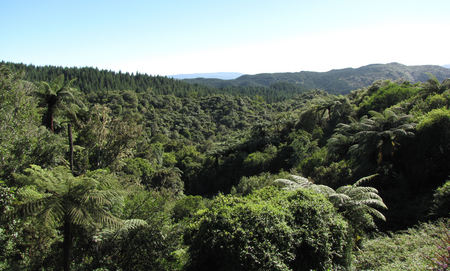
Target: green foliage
{"type": "Point", "coordinates": [189, 161]}
{"type": "Point", "coordinates": [150, 205]}
{"type": "Point", "coordinates": [55, 195]}
{"type": "Point", "coordinates": [20, 136]}
{"type": "Point", "coordinates": [333, 174]}
{"type": "Point", "coordinates": [7, 234]}
{"type": "Point", "coordinates": [106, 140]}
{"type": "Point", "coordinates": [301, 146]}
{"type": "Point", "coordinates": [435, 119]}
{"type": "Point", "coordinates": [163, 138]}
{"type": "Point", "coordinates": [187, 207]}
{"type": "Point", "coordinates": [57, 198]}
{"type": "Point", "coordinates": [372, 142]}
{"type": "Point", "coordinates": [432, 147]}
{"type": "Point", "coordinates": [168, 179]}
{"type": "Point", "coordinates": [247, 185]}
{"type": "Point", "coordinates": [441, 201]}
{"type": "Point", "coordinates": [58, 97]}
{"type": "Point", "coordinates": [27, 245]}
{"type": "Point", "coordinates": [144, 248]}
{"type": "Point", "coordinates": [268, 230]}
{"type": "Point", "coordinates": [147, 240]}
{"type": "Point", "coordinates": [358, 204]}
{"type": "Point", "coordinates": [139, 169]}
{"type": "Point", "coordinates": [386, 96]}
{"type": "Point", "coordinates": [438, 100]}
{"type": "Point", "coordinates": [412, 249]}
{"type": "Point", "coordinates": [315, 159]}
{"type": "Point", "coordinates": [260, 160]}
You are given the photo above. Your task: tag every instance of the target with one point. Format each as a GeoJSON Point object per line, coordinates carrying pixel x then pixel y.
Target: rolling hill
{"type": "Point", "coordinates": [338, 81]}
{"type": "Point", "coordinates": [215, 75]}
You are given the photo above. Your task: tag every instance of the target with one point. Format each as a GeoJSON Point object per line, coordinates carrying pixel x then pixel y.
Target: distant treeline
{"type": "Point", "coordinates": [90, 80]}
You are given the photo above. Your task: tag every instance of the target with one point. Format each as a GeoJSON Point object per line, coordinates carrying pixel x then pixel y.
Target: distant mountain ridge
{"type": "Point", "coordinates": [339, 81]}
{"type": "Point", "coordinates": [215, 75]}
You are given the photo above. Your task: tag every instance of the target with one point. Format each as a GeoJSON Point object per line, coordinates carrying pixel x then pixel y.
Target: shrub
{"type": "Point", "coordinates": [441, 201]}
{"type": "Point", "coordinates": [187, 206]}
{"type": "Point", "coordinates": [250, 184]}
{"type": "Point", "coordinates": [269, 229]}
{"type": "Point", "coordinates": [387, 96]}
{"type": "Point", "coordinates": [409, 250]}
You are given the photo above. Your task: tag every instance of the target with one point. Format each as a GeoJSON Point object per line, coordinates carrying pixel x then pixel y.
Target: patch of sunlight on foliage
{"type": "Point", "coordinates": [413, 249]}
{"type": "Point", "coordinates": [441, 201]}
{"type": "Point", "coordinates": [434, 117]}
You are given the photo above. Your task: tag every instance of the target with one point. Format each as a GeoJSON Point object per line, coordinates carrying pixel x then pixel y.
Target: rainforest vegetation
{"type": "Point", "coordinates": [115, 171]}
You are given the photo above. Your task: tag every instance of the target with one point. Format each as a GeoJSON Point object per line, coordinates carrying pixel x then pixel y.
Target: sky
{"type": "Point", "coordinates": [198, 36]}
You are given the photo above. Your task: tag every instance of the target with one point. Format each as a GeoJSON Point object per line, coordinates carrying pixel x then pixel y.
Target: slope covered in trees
{"type": "Point", "coordinates": [175, 180]}
{"type": "Point", "coordinates": [340, 81]}
{"type": "Point", "coordinates": [90, 80]}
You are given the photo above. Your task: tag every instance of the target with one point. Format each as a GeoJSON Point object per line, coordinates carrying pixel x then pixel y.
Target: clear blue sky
{"type": "Point", "coordinates": [170, 37]}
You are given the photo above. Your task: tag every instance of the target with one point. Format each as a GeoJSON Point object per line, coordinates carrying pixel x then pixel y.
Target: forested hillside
{"type": "Point", "coordinates": [111, 171]}
{"type": "Point", "coordinates": [93, 80]}
{"type": "Point", "coordinates": [340, 81]}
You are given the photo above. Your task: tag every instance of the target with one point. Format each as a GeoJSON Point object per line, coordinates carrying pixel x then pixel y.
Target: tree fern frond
{"type": "Point", "coordinates": [131, 224]}
{"type": "Point", "coordinates": [357, 203]}
{"type": "Point", "coordinates": [300, 179]}
{"type": "Point", "coordinates": [343, 189]}
{"type": "Point", "coordinates": [362, 190]}
{"type": "Point", "coordinates": [324, 189]}
{"type": "Point", "coordinates": [376, 213]}
{"type": "Point", "coordinates": [365, 179]}
{"type": "Point", "coordinates": [97, 198]}
{"type": "Point", "coordinates": [354, 148]}
{"type": "Point", "coordinates": [338, 199]}
{"type": "Point", "coordinates": [372, 203]}
{"type": "Point", "coordinates": [77, 216]}
{"type": "Point", "coordinates": [376, 114]}
{"type": "Point", "coordinates": [287, 184]}
{"type": "Point", "coordinates": [110, 221]}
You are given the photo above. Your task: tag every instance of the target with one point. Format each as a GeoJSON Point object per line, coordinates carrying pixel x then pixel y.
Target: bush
{"type": "Point", "coordinates": [270, 229]}
{"type": "Point", "coordinates": [247, 185]}
{"type": "Point", "coordinates": [433, 148]}
{"type": "Point", "coordinates": [409, 250]}
{"type": "Point", "coordinates": [387, 96]}
{"type": "Point", "coordinates": [187, 206]}
{"type": "Point", "coordinates": [441, 201]}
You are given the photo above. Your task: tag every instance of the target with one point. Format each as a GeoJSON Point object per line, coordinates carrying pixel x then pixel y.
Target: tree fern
{"type": "Point", "coordinates": [58, 96]}
{"type": "Point", "coordinates": [358, 204]}
{"type": "Point", "coordinates": [56, 197]}
{"type": "Point", "coordinates": [372, 141]}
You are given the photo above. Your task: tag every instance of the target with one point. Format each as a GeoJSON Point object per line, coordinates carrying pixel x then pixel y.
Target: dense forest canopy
{"type": "Point", "coordinates": [168, 175]}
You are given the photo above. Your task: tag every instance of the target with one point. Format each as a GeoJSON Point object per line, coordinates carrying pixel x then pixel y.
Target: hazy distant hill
{"type": "Point", "coordinates": [216, 75]}
{"type": "Point", "coordinates": [447, 66]}
{"type": "Point", "coordinates": [335, 81]}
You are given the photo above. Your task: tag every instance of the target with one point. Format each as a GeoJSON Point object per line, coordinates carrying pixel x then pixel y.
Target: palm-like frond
{"type": "Point", "coordinates": [58, 194]}
{"type": "Point", "coordinates": [58, 97]}
{"type": "Point", "coordinates": [373, 137]}
{"type": "Point", "coordinates": [287, 184]}
{"type": "Point", "coordinates": [365, 179]}
{"type": "Point", "coordinates": [354, 201]}
{"type": "Point", "coordinates": [338, 199]}
{"type": "Point", "coordinates": [132, 224]}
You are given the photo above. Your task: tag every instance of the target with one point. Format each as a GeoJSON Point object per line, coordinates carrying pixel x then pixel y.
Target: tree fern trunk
{"type": "Point", "coordinates": [67, 244]}
{"type": "Point", "coordinates": [69, 132]}
{"type": "Point", "coordinates": [51, 104]}
{"type": "Point", "coordinates": [51, 123]}
{"type": "Point", "coordinates": [47, 119]}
